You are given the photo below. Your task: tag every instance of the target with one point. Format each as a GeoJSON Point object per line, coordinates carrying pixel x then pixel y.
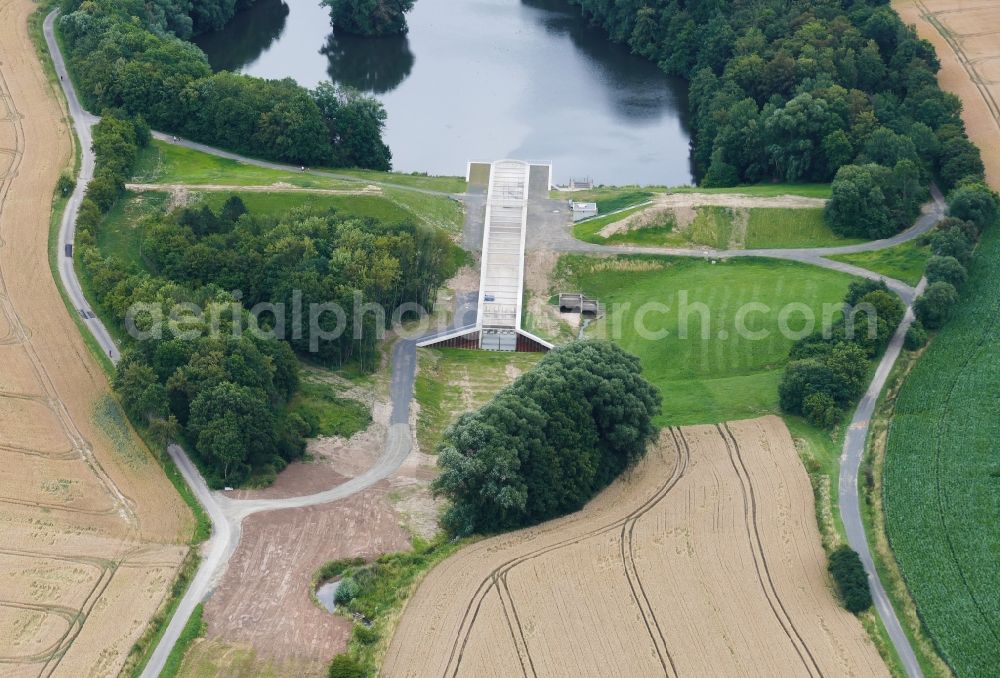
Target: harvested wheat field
{"type": "Point", "coordinates": [93, 533]}
{"type": "Point", "coordinates": [966, 36]}
{"type": "Point", "coordinates": [704, 560]}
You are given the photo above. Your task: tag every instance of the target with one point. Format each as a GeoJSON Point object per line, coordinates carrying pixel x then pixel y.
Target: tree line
{"type": "Point", "coordinates": [131, 56]}
{"type": "Point", "coordinates": [548, 442]}
{"type": "Point", "coordinates": [828, 369]}
{"type": "Point", "coordinates": [972, 208]}
{"type": "Point", "coordinates": [807, 90]}
{"type": "Point", "coordinates": [223, 389]}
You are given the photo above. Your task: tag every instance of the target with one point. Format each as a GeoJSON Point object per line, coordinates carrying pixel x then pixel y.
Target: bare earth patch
{"type": "Point", "coordinates": [264, 600]}
{"type": "Point", "coordinates": [667, 571]}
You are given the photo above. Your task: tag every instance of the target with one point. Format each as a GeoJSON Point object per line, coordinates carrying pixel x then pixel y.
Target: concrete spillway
{"type": "Point", "coordinates": [501, 280]}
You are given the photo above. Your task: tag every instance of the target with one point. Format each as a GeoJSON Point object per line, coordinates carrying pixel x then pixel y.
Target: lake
{"type": "Point", "coordinates": [483, 80]}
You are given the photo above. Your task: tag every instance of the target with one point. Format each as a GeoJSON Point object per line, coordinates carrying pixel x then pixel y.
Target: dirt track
{"type": "Point", "coordinates": [705, 560]}
{"type": "Point", "coordinates": [966, 35]}
{"type": "Point", "coordinates": [83, 563]}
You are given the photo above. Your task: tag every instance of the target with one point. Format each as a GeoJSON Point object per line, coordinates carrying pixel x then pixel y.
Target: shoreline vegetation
{"type": "Point", "coordinates": [369, 18]}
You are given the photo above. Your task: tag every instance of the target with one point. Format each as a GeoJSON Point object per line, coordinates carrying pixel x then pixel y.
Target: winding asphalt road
{"type": "Point", "coordinates": [227, 514]}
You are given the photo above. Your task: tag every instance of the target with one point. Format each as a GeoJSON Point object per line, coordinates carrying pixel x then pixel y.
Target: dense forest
{"type": "Point", "coordinates": [209, 374]}
{"type": "Point", "coordinates": [131, 56]}
{"type": "Point", "coordinates": [807, 90]}
{"type": "Point", "coordinates": [548, 442]}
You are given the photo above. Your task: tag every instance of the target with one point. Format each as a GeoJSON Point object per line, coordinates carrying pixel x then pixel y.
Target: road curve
{"type": "Point", "coordinates": [226, 514]}
{"type": "Point", "coordinates": [850, 503]}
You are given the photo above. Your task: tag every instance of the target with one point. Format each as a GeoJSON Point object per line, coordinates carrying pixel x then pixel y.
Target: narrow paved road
{"type": "Point", "coordinates": [227, 514]}
{"type": "Point", "coordinates": [83, 122]}
{"type": "Point", "coordinates": [850, 502]}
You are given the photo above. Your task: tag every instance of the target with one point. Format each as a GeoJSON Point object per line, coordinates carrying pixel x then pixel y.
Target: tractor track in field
{"type": "Point", "coordinates": [498, 577]}
{"type": "Point", "coordinates": [757, 548]}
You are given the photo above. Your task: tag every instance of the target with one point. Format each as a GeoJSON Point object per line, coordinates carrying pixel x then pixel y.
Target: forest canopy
{"type": "Point", "coordinates": [221, 376]}
{"type": "Point", "coordinates": [807, 90]}
{"type": "Point", "coordinates": [132, 56]}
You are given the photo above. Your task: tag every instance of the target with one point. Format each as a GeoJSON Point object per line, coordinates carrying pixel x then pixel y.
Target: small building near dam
{"type": "Point", "coordinates": [583, 210]}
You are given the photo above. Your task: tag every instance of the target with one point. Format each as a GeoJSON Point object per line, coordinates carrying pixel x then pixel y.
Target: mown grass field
{"type": "Point", "coordinates": [942, 477]}
{"type": "Point", "coordinates": [904, 262]}
{"type": "Point", "coordinates": [120, 234]}
{"type": "Point", "coordinates": [320, 405]}
{"type": "Point", "coordinates": [453, 381]}
{"type": "Point", "coordinates": [713, 374]}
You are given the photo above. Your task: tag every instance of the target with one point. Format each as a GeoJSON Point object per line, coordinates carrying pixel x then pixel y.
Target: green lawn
{"type": "Point", "coordinates": [276, 204]}
{"type": "Point", "coordinates": [413, 180]}
{"type": "Point", "coordinates": [904, 262]}
{"type": "Point", "coordinates": [453, 381]}
{"type": "Point", "coordinates": [722, 375]}
{"type": "Point", "coordinates": [589, 230]}
{"type": "Point", "coordinates": [942, 476]}
{"type": "Point", "coordinates": [169, 164]}
{"type": "Point", "coordinates": [766, 190]}
{"type": "Point", "coordinates": [713, 226]}
{"type": "Point", "coordinates": [790, 227]}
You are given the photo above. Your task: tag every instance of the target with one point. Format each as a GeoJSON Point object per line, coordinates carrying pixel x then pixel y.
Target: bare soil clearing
{"type": "Point", "coordinates": [704, 560]}
{"type": "Point", "coordinates": [966, 35]}
{"type": "Point", "coordinates": [681, 209]}
{"type": "Point", "coordinates": [91, 529]}
{"type": "Point", "coordinates": [264, 601]}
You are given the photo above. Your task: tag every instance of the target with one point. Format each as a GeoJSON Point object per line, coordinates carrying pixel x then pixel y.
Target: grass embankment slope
{"type": "Point", "coordinates": [942, 477]}
{"type": "Point", "coordinates": [616, 197]}
{"type": "Point", "coordinates": [749, 217]}
{"type": "Point", "coordinates": [717, 227]}
{"type": "Point", "coordinates": [712, 374]}
{"type": "Point", "coordinates": [453, 381]}
{"type": "Point", "coordinates": [163, 163]}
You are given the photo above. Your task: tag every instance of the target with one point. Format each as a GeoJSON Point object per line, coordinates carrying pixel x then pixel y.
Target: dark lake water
{"type": "Point", "coordinates": [483, 80]}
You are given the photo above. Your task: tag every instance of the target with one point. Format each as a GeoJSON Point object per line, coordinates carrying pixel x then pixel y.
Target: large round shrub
{"type": "Point", "coordinates": [935, 305]}
{"type": "Point", "coordinates": [946, 269]}
{"type": "Point", "coordinates": [852, 581]}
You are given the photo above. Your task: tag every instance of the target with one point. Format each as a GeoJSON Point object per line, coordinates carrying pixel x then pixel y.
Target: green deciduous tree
{"type": "Point", "coordinates": [544, 445]}
{"type": "Point", "coordinates": [946, 269]}
{"type": "Point", "coordinates": [369, 17]}
{"type": "Point", "coordinates": [852, 582]}
{"type": "Point", "coordinates": [936, 304]}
